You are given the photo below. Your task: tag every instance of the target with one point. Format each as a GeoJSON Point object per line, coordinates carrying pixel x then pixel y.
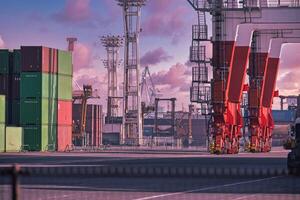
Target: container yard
{"type": "Point", "coordinates": [129, 99]}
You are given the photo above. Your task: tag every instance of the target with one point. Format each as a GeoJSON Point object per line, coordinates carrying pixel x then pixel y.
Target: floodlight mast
{"type": "Point", "coordinates": [132, 115]}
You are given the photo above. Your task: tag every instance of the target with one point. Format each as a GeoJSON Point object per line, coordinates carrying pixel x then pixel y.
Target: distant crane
{"type": "Point", "coordinates": [84, 95]}
{"type": "Point", "coordinates": [148, 90]}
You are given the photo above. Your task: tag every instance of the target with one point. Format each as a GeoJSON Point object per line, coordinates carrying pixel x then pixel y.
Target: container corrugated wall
{"type": "Point", "coordinates": [284, 116]}
{"type": "Point", "coordinates": [13, 117]}
{"type": "Point", "coordinates": [14, 139]}
{"type": "Point", "coordinates": [31, 74]}
{"type": "Point", "coordinates": [2, 122]}
{"type": "Point", "coordinates": [4, 61]}
{"type": "Point", "coordinates": [64, 123]}
{"type": "Point", "coordinates": [38, 97]}
{"type": "Point", "coordinates": [5, 78]}
{"type": "Point", "coordinates": [93, 123]}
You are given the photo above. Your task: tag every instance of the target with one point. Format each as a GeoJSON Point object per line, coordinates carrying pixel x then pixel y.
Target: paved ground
{"type": "Point", "coordinates": [276, 158]}
{"type": "Point", "coordinates": [285, 188]}
{"type": "Point", "coordinates": [143, 188]}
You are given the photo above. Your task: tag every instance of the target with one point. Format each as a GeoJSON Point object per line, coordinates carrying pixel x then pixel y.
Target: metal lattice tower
{"type": "Point", "coordinates": [200, 90]}
{"type": "Point", "coordinates": [112, 45]}
{"type": "Point", "coordinates": [132, 119]}
{"type": "Point", "coordinates": [148, 90]}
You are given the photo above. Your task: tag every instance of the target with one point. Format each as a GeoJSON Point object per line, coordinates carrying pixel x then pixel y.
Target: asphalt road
{"type": "Point", "coordinates": [275, 158]}
{"type": "Point", "coordinates": [285, 188]}
{"type": "Point", "coordinates": [118, 188]}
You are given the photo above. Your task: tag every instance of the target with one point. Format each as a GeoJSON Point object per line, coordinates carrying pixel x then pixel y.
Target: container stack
{"type": "Point", "coordinates": [38, 97]}
{"type": "Point", "coordinates": [64, 121]}
{"type": "Point", "coordinates": [94, 123]}
{"type": "Point", "coordinates": [2, 122]}
{"type": "Point", "coordinates": [14, 88]}
{"type": "Point", "coordinates": [13, 139]}
{"type": "Point", "coordinates": [4, 76]}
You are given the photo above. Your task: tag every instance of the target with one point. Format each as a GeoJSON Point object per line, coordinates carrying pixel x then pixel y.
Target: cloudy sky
{"type": "Point", "coordinates": [165, 39]}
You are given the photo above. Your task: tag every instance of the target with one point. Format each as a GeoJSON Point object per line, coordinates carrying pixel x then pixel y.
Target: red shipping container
{"type": "Point", "coordinates": [64, 137]}
{"type": "Point", "coordinates": [64, 112]}
{"type": "Point", "coordinates": [35, 59]}
{"type": "Point", "coordinates": [53, 61]}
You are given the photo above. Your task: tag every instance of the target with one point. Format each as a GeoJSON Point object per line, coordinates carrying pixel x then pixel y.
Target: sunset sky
{"type": "Point", "coordinates": [165, 40]}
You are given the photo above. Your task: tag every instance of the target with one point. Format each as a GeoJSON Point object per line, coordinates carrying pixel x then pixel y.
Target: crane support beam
{"type": "Point", "coordinates": [260, 131]}
{"type": "Point", "coordinates": [272, 68]}
{"type": "Point", "coordinates": [230, 59]}
{"type": "Point", "coordinates": [269, 87]}
{"type": "Point", "coordinates": [241, 54]}
{"type": "Point", "coordinates": [237, 71]}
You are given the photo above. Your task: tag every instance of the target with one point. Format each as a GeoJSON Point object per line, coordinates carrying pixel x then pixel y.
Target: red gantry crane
{"type": "Point", "coordinates": [260, 137]}
{"type": "Point", "coordinates": [231, 51]}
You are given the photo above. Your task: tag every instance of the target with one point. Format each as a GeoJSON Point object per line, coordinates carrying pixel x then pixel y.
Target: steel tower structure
{"type": "Point", "coordinates": [148, 90]}
{"type": "Point", "coordinates": [132, 116]}
{"type": "Point", "coordinates": [112, 45]}
{"type": "Point", "coordinates": [200, 89]}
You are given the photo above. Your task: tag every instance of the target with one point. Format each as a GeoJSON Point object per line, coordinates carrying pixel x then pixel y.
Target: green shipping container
{"type": "Point", "coordinates": [38, 111]}
{"type": "Point", "coordinates": [64, 87]}
{"type": "Point", "coordinates": [15, 112]}
{"type": "Point", "coordinates": [17, 61]}
{"type": "Point", "coordinates": [65, 63]}
{"type": "Point", "coordinates": [14, 139]}
{"type": "Point", "coordinates": [2, 137]}
{"type": "Point", "coordinates": [3, 105]}
{"type": "Point", "coordinates": [38, 85]}
{"type": "Point", "coordinates": [4, 61]}
{"type": "Point", "coordinates": [40, 138]}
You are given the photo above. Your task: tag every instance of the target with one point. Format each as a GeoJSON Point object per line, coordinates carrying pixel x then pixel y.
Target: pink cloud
{"type": "Point", "coordinates": [165, 20]}
{"type": "Point", "coordinates": [2, 43]}
{"type": "Point", "coordinates": [82, 56]}
{"type": "Point", "coordinates": [75, 11]}
{"type": "Point", "coordinates": [175, 77]}
{"type": "Point", "coordinates": [92, 76]}
{"type": "Point", "coordinates": [290, 57]}
{"type": "Point", "coordinates": [154, 57]}
{"type": "Point", "coordinates": [289, 83]}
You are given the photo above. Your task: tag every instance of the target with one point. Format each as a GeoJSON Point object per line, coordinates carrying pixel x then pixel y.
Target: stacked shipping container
{"type": "Point", "coordinates": [94, 123]}
{"type": "Point", "coordinates": [14, 88]}
{"type": "Point", "coordinates": [4, 94]}
{"type": "Point", "coordinates": [2, 122]}
{"type": "Point", "coordinates": [64, 122]}
{"type": "Point", "coordinates": [4, 76]}
{"type": "Point", "coordinates": [38, 97]}
{"type": "Point", "coordinates": [37, 84]}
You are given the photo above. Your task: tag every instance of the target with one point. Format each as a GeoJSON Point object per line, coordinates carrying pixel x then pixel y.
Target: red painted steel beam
{"type": "Point", "coordinates": [226, 114]}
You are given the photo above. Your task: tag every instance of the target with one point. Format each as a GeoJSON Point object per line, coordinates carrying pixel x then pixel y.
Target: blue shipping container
{"type": "Point", "coordinates": [283, 116]}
